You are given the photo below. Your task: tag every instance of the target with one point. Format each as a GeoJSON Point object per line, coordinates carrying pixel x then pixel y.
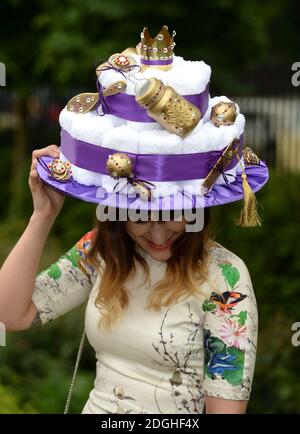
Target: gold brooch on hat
{"type": "Point", "coordinates": [60, 170]}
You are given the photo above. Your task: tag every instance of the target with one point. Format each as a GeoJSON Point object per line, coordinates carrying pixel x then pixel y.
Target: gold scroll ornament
{"type": "Point", "coordinates": [221, 164]}
{"type": "Point", "coordinates": [85, 102]}
{"type": "Point", "coordinates": [249, 215]}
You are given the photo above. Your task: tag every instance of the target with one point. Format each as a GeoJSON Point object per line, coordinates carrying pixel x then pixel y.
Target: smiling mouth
{"type": "Point", "coordinates": [161, 246]}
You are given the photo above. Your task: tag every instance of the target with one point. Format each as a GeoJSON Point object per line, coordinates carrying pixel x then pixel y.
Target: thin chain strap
{"type": "Point", "coordinates": [75, 372]}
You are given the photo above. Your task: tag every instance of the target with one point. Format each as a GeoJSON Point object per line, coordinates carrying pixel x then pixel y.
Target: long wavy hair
{"type": "Point", "coordinates": [113, 252]}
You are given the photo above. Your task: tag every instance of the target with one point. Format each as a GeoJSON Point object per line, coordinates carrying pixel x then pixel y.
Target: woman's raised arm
{"type": "Point", "coordinates": [18, 273]}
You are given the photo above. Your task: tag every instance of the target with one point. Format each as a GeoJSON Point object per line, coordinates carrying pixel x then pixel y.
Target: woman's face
{"type": "Point", "coordinates": [156, 237]}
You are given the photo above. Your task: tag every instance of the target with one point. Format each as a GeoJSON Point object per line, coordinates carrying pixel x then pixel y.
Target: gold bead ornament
{"type": "Point", "coordinates": [115, 88]}
{"type": "Point", "coordinates": [119, 165]}
{"type": "Point", "coordinates": [223, 113]}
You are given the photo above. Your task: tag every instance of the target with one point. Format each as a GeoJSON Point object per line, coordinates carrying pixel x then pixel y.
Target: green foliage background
{"type": "Point", "coordinates": [56, 44]}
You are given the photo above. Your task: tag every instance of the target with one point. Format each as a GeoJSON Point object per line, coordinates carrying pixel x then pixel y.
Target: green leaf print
{"type": "Point", "coordinates": [216, 345]}
{"type": "Point", "coordinates": [230, 273]}
{"type": "Point", "coordinates": [54, 271]}
{"type": "Point", "coordinates": [235, 377]}
{"type": "Point", "coordinates": [242, 317]}
{"type": "Point", "coordinates": [73, 256]}
{"type": "Point", "coordinates": [207, 306]}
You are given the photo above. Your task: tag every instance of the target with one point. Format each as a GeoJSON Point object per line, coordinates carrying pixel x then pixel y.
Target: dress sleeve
{"type": "Point", "coordinates": [230, 331]}
{"type": "Point", "coordinates": [65, 284]}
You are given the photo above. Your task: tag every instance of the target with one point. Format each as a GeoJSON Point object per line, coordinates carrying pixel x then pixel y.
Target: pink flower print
{"type": "Point", "coordinates": [220, 312]}
{"type": "Point", "coordinates": [233, 334]}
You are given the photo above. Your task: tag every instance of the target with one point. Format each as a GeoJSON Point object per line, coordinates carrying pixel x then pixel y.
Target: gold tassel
{"type": "Point", "coordinates": [249, 216]}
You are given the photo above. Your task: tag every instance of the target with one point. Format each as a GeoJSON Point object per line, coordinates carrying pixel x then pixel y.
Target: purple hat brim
{"type": "Point", "coordinates": [257, 176]}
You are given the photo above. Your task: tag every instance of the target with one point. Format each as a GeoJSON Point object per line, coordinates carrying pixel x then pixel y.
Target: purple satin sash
{"type": "Point", "coordinates": [150, 167]}
{"type": "Point", "coordinates": [156, 62]}
{"type": "Point", "coordinates": [125, 106]}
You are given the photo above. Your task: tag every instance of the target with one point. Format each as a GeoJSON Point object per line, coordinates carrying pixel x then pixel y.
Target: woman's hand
{"type": "Point", "coordinates": [47, 202]}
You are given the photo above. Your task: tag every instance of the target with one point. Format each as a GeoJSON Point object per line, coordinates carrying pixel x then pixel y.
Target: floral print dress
{"type": "Point", "coordinates": [167, 361]}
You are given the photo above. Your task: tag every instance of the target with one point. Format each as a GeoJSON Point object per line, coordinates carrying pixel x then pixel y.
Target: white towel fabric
{"type": "Point", "coordinates": [165, 189]}
{"type": "Point", "coordinates": [196, 73]}
{"type": "Point", "coordinates": [150, 137]}
{"type": "Point", "coordinates": [101, 131]}
{"type": "Point", "coordinates": [109, 183]}
{"type": "Point", "coordinates": [143, 126]}
{"type": "Point", "coordinates": [123, 139]}
{"type": "Point", "coordinates": [211, 138]}
{"type": "Point", "coordinates": [88, 127]}
{"type": "Point", "coordinates": [159, 142]}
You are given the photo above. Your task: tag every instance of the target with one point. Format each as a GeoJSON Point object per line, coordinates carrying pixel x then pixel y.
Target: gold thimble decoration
{"type": "Point", "coordinates": [60, 170]}
{"type": "Point", "coordinates": [223, 113]}
{"type": "Point", "coordinates": [82, 103]}
{"type": "Point", "coordinates": [120, 165]}
{"type": "Point", "coordinates": [167, 107]}
{"type": "Point", "coordinates": [250, 158]}
{"type": "Point", "coordinates": [122, 61]}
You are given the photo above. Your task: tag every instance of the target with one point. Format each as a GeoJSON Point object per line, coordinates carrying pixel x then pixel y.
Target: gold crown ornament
{"type": "Point", "coordinates": [156, 52]}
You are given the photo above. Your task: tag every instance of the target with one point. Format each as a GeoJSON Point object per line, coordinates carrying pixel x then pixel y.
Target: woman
{"type": "Point", "coordinates": [181, 340]}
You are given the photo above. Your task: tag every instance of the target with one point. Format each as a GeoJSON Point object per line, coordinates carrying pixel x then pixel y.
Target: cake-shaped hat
{"type": "Point", "coordinates": [151, 137]}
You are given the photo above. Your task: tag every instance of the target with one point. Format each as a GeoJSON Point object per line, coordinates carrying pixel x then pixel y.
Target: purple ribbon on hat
{"type": "Point", "coordinates": [100, 88]}
{"type": "Point", "coordinates": [156, 62]}
{"type": "Point", "coordinates": [125, 106]}
{"type": "Point", "coordinates": [150, 167]}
